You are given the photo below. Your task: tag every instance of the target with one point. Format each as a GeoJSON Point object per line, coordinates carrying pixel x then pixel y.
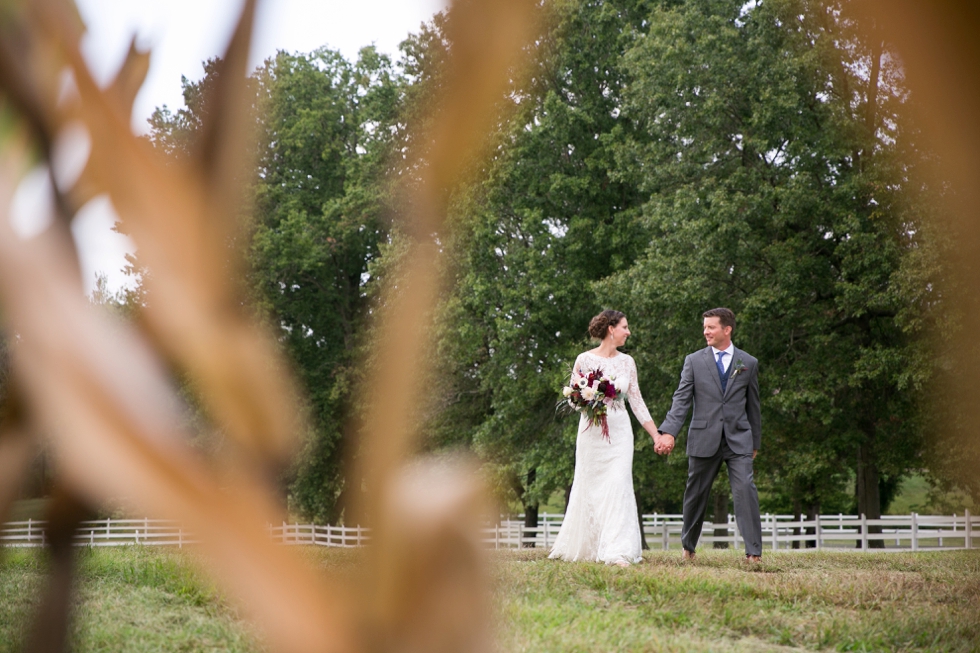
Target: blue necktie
{"type": "Point", "coordinates": [721, 370]}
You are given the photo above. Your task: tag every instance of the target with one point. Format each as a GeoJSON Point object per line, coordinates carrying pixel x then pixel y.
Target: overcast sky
{"type": "Point", "coordinates": [183, 33]}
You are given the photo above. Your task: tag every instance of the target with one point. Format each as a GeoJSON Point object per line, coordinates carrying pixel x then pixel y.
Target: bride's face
{"type": "Point", "coordinates": [619, 333]}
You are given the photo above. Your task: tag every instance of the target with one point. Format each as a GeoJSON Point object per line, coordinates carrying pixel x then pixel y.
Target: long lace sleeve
{"type": "Point", "coordinates": [635, 398]}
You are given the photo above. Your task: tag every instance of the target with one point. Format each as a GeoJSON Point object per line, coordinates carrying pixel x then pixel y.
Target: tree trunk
{"type": "Point", "coordinates": [868, 497]}
{"type": "Point", "coordinates": [811, 515]}
{"type": "Point", "coordinates": [720, 516]}
{"type": "Point", "coordinates": [530, 510]}
{"type": "Point", "coordinates": [351, 502]}
{"type": "Point", "coordinates": [871, 108]}
{"type": "Point", "coordinates": [639, 517]}
{"type": "Point", "coordinates": [530, 521]}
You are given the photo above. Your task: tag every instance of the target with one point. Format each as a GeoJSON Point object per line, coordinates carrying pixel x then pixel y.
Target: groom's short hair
{"type": "Point", "coordinates": [724, 315]}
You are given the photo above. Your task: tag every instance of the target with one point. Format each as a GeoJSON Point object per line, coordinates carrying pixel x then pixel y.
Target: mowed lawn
{"type": "Point", "coordinates": [145, 599]}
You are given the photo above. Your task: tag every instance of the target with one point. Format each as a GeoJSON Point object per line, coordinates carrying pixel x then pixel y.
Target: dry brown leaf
{"type": "Point", "coordinates": [106, 403]}
{"type": "Point", "coordinates": [100, 389]}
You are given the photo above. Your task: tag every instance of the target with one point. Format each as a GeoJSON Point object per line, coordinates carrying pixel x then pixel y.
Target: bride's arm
{"type": "Point", "coordinates": [576, 366]}
{"type": "Point", "coordinates": [638, 405]}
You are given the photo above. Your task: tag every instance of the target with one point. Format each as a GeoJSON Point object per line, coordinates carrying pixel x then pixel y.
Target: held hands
{"type": "Point", "coordinates": [663, 444]}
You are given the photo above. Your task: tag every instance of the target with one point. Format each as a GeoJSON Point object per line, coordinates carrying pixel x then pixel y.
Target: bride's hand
{"type": "Point", "coordinates": [664, 444]}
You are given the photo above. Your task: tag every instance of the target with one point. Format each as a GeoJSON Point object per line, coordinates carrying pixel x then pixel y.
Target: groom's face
{"type": "Point", "coordinates": [716, 335]}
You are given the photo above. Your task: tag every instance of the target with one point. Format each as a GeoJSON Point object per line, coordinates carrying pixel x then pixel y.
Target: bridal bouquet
{"type": "Point", "coordinates": [591, 393]}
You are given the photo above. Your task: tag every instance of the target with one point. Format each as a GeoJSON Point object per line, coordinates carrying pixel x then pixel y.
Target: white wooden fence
{"type": "Point", "coordinates": [159, 532]}
{"type": "Point", "coordinates": [779, 532]}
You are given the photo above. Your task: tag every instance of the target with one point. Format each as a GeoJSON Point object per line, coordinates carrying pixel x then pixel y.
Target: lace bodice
{"type": "Point", "coordinates": [621, 366]}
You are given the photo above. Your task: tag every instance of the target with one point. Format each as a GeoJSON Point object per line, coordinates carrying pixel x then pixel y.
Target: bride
{"type": "Point", "coordinates": [601, 522]}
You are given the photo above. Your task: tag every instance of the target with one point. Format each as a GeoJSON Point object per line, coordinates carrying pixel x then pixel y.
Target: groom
{"type": "Point", "coordinates": [723, 383]}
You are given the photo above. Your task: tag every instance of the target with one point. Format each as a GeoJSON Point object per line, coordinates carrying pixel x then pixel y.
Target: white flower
{"type": "Point", "coordinates": [581, 382]}
{"type": "Point", "coordinates": [567, 390]}
{"type": "Point", "coordinates": [588, 393]}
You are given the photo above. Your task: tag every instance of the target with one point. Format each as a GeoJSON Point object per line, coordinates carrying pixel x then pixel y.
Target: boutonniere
{"type": "Point", "coordinates": [739, 367]}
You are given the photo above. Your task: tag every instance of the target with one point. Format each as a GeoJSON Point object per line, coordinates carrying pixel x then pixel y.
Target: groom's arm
{"type": "Point", "coordinates": [753, 409]}
{"type": "Point", "coordinates": [682, 401]}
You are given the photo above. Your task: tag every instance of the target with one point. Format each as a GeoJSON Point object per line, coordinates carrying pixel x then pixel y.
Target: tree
{"type": "Point", "coordinates": [319, 221]}
{"type": "Point", "coordinates": [315, 224]}
{"type": "Point", "coordinates": [768, 144]}
{"type": "Point", "coordinates": [542, 223]}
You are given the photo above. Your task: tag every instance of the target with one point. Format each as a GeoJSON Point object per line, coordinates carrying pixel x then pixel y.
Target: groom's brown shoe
{"type": "Point", "coordinates": [688, 555]}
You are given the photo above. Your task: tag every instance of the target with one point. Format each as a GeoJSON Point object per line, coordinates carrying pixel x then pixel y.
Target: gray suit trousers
{"type": "Point", "coordinates": [701, 473]}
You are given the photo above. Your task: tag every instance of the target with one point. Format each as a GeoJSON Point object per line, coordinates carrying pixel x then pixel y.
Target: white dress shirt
{"type": "Point", "coordinates": [726, 360]}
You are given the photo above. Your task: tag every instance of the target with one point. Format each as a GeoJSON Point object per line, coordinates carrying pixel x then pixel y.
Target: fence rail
{"type": "Point", "coordinates": [912, 532]}
{"type": "Point", "coordinates": [779, 532]}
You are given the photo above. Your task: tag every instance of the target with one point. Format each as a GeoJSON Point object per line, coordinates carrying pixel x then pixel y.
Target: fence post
{"type": "Point", "coordinates": [915, 531]}
{"type": "Point", "coordinates": [108, 528]}
{"type": "Point", "coordinates": [775, 533]}
{"type": "Point", "coordinates": [969, 531]}
{"type": "Point", "coordinates": [819, 532]}
{"type": "Point", "coordinates": [29, 530]}
{"type": "Point", "coordinates": [864, 532]}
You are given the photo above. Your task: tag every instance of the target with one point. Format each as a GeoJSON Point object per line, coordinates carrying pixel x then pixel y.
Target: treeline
{"type": "Point", "coordinates": [661, 158]}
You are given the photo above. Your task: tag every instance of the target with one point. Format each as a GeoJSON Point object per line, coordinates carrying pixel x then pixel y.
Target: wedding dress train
{"type": "Point", "coordinates": [601, 522]}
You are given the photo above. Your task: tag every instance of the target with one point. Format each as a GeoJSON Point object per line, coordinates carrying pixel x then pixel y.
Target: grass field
{"type": "Point", "coordinates": [839, 601]}
{"type": "Point", "coordinates": [142, 599]}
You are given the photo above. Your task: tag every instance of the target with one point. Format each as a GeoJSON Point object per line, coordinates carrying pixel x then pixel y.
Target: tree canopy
{"type": "Point", "coordinates": [663, 158]}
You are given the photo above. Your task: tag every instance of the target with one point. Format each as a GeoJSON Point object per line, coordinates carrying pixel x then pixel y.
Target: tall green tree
{"type": "Point", "coordinates": [769, 148]}
{"type": "Point", "coordinates": [326, 129]}
{"type": "Point", "coordinates": [543, 221]}
{"type": "Point", "coordinates": [328, 126]}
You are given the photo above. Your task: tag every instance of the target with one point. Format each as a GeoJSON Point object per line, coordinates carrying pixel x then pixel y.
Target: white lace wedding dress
{"type": "Point", "coordinates": [600, 522]}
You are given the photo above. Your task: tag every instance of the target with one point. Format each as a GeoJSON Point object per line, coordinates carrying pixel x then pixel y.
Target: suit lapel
{"type": "Point", "coordinates": [712, 367]}
{"type": "Point", "coordinates": [731, 370]}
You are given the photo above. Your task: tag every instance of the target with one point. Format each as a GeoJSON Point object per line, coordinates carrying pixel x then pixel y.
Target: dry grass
{"type": "Point", "coordinates": [143, 599]}
{"type": "Point", "coordinates": [816, 601]}
{"type": "Point", "coordinates": [131, 599]}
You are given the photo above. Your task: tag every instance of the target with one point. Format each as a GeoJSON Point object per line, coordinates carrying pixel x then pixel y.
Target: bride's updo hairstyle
{"type": "Point", "coordinates": [599, 325]}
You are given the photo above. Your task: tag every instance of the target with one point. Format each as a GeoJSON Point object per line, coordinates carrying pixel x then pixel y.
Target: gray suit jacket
{"type": "Point", "coordinates": [736, 409]}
